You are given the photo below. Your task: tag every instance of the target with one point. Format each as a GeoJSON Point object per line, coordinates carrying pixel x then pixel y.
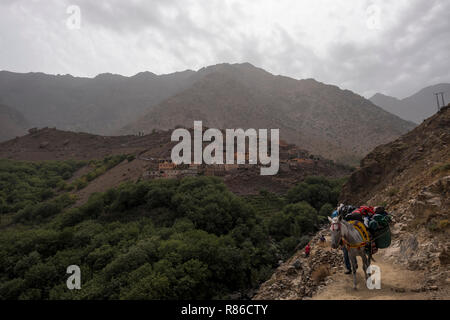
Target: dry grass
{"type": "Point", "coordinates": [320, 273]}
{"type": "Point", "coordinates": [441, 168]}
{"type": "Point", "coordinates": [392, 191]}
{"type": "Point", "coordinates": [443, 224]}
{"type": "Point", "coordinates": [436, 225]}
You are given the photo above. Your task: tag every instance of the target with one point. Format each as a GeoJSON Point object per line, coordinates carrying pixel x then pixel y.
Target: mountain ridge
{"type": "Point", "coordinates": [231, 96]}
{"type": "Point", "coordinates": [317, 116]}
{"type": "Point", "coordinates": [417, 107]}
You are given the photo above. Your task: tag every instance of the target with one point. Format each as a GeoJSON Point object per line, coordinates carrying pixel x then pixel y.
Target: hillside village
{"type": "Point", "coordinates": [151, 160]}
{"type": "Point", "coordinates": [291, 158]}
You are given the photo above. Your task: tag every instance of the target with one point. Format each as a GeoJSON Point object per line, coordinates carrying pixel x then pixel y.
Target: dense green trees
{"type": "Point", "coordinates": [28, 183]}
{"type": "Point", "coordinates": [317, 191]}
{"type": "Point", "coordinates": [160, 239]}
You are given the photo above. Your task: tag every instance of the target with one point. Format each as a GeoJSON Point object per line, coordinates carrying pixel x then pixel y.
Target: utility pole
{"type": "Point", "coordinates": [437, 100]}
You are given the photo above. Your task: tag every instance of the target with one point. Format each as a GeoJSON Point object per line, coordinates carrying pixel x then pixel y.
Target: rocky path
{"type": "Point", "coordinates": [297, 279]}
{"type": "Point", "coordinates": [397, 283]}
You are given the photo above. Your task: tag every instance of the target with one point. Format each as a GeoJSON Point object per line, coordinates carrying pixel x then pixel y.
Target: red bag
{"type": "Point", "coordinates": [365, 211]}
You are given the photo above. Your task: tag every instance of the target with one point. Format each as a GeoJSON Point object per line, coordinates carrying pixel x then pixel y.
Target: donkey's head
{"type": "Point", "coordinates": [336, 231]}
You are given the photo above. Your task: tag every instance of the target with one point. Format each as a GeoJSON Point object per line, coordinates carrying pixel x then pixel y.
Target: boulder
{"type": "Point", "coordinates": [44, 144]}
{"type": "Point", "coordinates": [297, 264]}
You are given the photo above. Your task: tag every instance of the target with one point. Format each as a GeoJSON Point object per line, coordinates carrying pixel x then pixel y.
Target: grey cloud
{"type": "Point", "coordinates": [410, 56]}
{"type": "Point", "coordinates": [166, 36]}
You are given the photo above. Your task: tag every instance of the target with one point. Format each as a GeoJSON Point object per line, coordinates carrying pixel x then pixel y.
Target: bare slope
{"type": "Point", "coordinates": [53, 144]}
{"type": "Point", "coordinates": [12, 123]}
{"type": "Point", "coordinates": [323, 119]}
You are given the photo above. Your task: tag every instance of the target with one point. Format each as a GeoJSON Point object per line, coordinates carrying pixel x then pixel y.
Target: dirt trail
{"type": "Point", "coordinates": [397, 283]}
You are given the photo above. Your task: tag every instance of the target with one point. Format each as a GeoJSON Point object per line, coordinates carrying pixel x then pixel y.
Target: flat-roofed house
{"type": "Point", "coordinates": [166, 165]}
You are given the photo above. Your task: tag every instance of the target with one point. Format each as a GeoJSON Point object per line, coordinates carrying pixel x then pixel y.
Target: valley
{"type": "Point", "coordinates": [143, 226]}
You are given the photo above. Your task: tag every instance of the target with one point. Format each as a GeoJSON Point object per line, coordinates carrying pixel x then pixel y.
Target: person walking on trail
{"type": "Point", "coordinates": [348, 266]}
{"type": "Point", "coordinates": [307, 250]}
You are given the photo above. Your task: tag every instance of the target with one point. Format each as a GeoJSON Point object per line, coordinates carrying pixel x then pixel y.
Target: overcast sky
{"type": "Point", "coordinates": [391, 46]}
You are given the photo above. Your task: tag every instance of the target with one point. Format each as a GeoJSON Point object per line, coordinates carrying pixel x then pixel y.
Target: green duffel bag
{"type": "Point", "coordinates": [383, 238]}
{"type": "Point", "coordinates": [373, 226]}
{"type": "Point", "coordinates": [382, 220]}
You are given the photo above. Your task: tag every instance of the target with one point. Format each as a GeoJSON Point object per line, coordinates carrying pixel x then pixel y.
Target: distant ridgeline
{"type": "Point", "coordinates": [321, 118]}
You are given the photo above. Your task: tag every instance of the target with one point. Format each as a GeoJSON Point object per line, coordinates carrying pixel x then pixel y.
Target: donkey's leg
{"type": "Point", "coordinates": [365, 262]}
{"type": "Point", "coordinates": [353, 263]}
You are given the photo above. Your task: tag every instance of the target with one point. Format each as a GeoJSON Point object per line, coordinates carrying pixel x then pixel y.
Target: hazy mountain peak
{"type": "Point", "coordinates": [417, 107]}
{"type": "Point", "coordinates": [108, 76]}
{"type": "Point", "coordinates": [145, 75]}
{"type": "Point", "coordinates": [231, 67]}
{"type": "Point", "coordinates": [379, 95]}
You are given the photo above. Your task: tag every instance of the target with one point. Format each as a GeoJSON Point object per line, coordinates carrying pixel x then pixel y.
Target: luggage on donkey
{"type": "Point", "coordinates": [365, 236]}
{"type": "Point", "coordinates": [377, 225]}
{"type": "Point", "coordinates": [344, 210]}
{"type": "Point", "coordinates": [354, 216]}
{"type": "Point", "coordinates": [382, 232]}
{"type": "Point", "coordinates": [359, 214]}
{"type": "Point", "coordinates": [366, 211]}
{"type": "Point", "coordinates": [382, 238]}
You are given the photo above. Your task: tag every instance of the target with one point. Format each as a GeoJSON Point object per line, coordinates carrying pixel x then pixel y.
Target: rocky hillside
{"type": "Point", "coordinates": [53, 144]}
{"type": "Point", "coordinates": [323, 119]}
{"type": "Point", "coordinates": [299, 277]}
{"type": "Point", "coordinates": [411, 178]}
{"type": "Point", "coordinates": [12, 123]}
{"type": "Point", "coordinates": [403, 167]}
{"type": "Point", "coordinates": [417, 107]}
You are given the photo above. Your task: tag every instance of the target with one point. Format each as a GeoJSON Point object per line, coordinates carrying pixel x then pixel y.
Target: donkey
{"type": "Point", "coordinates": [341, 229]}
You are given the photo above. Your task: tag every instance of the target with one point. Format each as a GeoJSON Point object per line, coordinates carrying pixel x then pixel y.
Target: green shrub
{"type": "Point", "coordinates": [317, 191]}
{"type": "Point", "coordinates": [80, 183]}
{"type": "Point", "coordinates": [326, 210]}
{"type": "Point", "coordinates": [28, 183]}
